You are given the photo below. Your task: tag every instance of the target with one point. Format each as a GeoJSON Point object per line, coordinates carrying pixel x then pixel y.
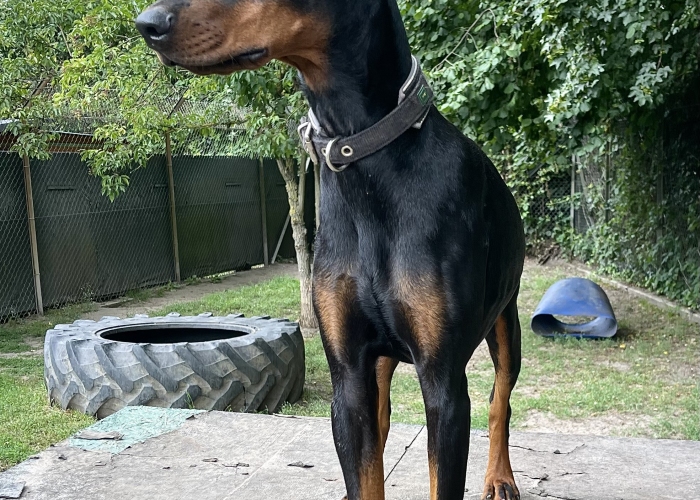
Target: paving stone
{"type": "Point", "coordinates": [220, 455]}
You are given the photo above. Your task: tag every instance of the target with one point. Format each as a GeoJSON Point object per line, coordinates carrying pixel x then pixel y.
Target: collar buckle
{"type": "Point", "coordinates": [305, 130]}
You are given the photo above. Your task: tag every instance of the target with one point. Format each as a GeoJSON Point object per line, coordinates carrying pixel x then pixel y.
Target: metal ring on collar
{"type": "Point", "coordinates": [327, 155]}
{"type": "Point", "coordinates": [304, 131]}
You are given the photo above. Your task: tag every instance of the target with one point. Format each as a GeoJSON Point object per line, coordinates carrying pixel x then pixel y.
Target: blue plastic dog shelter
{"type": "Point", "coordinates": [574, 297]}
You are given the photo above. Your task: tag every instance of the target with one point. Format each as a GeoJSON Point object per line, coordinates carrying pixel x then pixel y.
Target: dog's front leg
{"type": "Point", "coordinates": [354, 411]}
{"type": "Point", "coordinates": [356, 431]}
{"type": "Point", "coordinates": [448, 419]}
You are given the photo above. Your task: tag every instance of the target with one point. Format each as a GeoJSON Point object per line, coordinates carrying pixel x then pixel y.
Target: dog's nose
{"type": "Point", "coordinates": [154, 24]}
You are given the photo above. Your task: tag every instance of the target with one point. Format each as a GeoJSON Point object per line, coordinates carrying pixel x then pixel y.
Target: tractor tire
{"type": "Point", "coordinates": [252, 364]}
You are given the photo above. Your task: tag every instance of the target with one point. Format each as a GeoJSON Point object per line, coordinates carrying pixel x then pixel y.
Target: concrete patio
{"type": "Point", "coordinates": [186, 454]}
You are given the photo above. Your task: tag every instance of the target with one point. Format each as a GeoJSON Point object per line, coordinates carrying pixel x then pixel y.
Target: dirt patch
{"type": "Point", "coordinates": [407, 369]}
{"type": "Point", "coordinates": [480, 358]}
{"type": "Point", "coordinates": [608, 424]}
{"type": "Point", "coordinates": [679, 373]}
{"type": "Point", "coordinates": [529, 391]}
{"type": "Point", "coordinates": [192, 292]}
{"type": "Point", "coordinates": [35, 343]}
{"type": "Point", "coordinates": [615, 365]}
{"type": "Point", "coordinates": [25, 354]}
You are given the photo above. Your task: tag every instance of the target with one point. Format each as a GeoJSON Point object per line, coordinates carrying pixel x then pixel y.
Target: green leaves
{"type": "Point", "coordinates": [539, 82]}
{"type": "Point", "coordinates": [648, 82]}
{"type": "Point", "coordinates": [81, 66]}
{"type": "Point", "coordinates": [550, 62]}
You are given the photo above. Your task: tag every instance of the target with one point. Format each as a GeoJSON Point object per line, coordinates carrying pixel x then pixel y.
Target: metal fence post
{"type": "Point", "coordinates": [171, 191]}
{"type": "Point", "coordinates": [572, 209]}
{"type": "Point", "coordinates": [317, 192]}
{"type": "Point", "coordinates": [281, 238]}
{"type": "Point", "coordinates": [32, 234]}
{"type": "Point", "coordinates": [263, 209]}
{"type": "Point", "coordinates": [606, 186]}
{"type": "Point", "coordinates": [659, 171]}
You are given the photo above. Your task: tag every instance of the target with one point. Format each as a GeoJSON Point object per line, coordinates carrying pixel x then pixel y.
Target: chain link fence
{"type": "Point", "coordinates": [16, 274]}
{"type": "Point", "coordinates": [549, 212]}
{"type": "Point", "coordinates": [225, 213]}
{"type": "Point", "coordinates": [90, 247]}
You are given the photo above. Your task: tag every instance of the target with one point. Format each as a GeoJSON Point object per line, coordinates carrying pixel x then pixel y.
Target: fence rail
{"type": "Point", "coordinates": [214, 214]}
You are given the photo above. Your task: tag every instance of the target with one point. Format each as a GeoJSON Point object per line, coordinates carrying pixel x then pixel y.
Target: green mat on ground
{"type": "Point", "coordinates": [135, 424]}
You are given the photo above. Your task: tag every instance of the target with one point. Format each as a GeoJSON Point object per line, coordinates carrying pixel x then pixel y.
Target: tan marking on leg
{"type": "Point", "coordinates": [332, 298]}
{"type": "Point", "coordinates": [371, 473]}
{"type": "Point", "coordinates": [385, 371]}
{"type": "Point", "coordinates": [499, 471]}
{"type": "Point", "coordinates": [433, 472]}
{"type": "Point", "coordinates": [372, 478]}
{"type": "Point", "coordinates": [210, 32]}
{"type": "Point", "coordinates": [423, 304]}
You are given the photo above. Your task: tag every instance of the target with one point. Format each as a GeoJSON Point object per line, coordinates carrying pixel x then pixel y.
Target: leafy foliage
{"type": "Point", "coordinates": [85, 60]}
{"type": "Point", "coordinates": [542, 83]}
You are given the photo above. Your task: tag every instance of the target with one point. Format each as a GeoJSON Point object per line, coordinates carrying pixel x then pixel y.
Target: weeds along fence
{"type": "Point", "coordinates": [188, 213]}
{"type": "Point", "coordinates": [638, 208]}
{"type": "Point", "coordinates": [631, 208]}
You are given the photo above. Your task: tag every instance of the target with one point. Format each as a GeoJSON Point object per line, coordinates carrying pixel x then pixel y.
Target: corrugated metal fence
{"type": "Point", "coordinates": [89, 248]}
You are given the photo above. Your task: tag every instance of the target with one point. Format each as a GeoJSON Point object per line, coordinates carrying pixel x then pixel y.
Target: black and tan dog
{"type": "Point", "coordinates": [420, 249]}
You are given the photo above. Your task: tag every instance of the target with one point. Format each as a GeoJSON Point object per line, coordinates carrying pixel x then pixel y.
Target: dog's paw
{"type": "Point", "coordinates": [500, 489]}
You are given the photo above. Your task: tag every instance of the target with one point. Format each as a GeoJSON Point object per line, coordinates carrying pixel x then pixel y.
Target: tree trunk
{"type": "Point", "coordinates": [295, 194]}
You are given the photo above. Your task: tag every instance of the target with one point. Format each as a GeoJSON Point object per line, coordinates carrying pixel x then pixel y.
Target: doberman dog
{"type": "Point", "coordinates": [420, 248]}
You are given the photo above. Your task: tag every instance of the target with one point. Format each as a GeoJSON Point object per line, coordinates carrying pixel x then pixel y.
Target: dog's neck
{"type": "Point", "coordinates": [368, 59]}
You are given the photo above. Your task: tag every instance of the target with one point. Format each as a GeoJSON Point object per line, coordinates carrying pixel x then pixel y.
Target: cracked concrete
{"type": "Point", "coordinates": [220, 455]}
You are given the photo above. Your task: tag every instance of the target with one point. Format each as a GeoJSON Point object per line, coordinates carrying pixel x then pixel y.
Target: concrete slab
{"type": "Point", "coordinates": [220, 455]}
{"type": "Point", "coordinates": [568, 467]}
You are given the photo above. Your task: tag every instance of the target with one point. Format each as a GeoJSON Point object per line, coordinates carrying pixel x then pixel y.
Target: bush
{"type": "Point", "coordinates": [542, 83]}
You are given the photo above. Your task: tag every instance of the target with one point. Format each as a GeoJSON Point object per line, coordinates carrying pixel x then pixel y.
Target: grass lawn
{"type": "Point", "coordinates": [27, 423]}
{"type": "Point", "coordinates": [642, 383]}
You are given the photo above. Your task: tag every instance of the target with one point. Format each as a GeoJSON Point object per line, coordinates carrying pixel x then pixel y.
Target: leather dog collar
{"type": "Point", "coordinates": [415, 99]}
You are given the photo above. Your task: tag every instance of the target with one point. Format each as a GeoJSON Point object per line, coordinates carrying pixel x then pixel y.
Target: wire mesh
{"type": "Point", "coordinates": [16, 274]}
{"type": "Point", "coordinates": [90, 247]}
{"type": "Point", "coordinates": [589, 191]}
{"type": "Point", "coordinates": [549, 211]}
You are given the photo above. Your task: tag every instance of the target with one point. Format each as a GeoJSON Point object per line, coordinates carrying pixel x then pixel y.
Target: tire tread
{"type": "Point", "coordinates": [81, 372]}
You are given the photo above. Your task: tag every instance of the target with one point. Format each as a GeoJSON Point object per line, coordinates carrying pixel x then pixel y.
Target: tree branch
{"type": "Point", "coordinates": [468, 33]}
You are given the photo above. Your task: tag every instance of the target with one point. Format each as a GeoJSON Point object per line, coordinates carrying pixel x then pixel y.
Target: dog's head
{"type": "Point", "coordinates": [223, 36]}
